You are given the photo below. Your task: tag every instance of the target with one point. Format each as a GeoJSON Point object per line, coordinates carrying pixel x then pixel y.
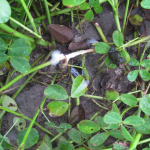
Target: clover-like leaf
{"type": "Point", "coordinates": [56, 92]}
{"type": "Point", "coordinates": [79, 86]}
{"type": "Point", "coordinates": [57, 108]}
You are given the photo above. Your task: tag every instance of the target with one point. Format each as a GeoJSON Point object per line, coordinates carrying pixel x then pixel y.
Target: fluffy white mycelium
{"type": "Point", "coordinates": [56, 57]}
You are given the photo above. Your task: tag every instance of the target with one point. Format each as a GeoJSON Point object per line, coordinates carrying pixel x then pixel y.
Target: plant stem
{"type": "Point", "coordinates": [95, 115]}
{"type": "Point", "coordinates": [8, 29]}
{"type": "Point", "coordinates": [21, 146]}
{"type": "Point", "coordinates": [77, 101]}
{"type": "Point", "coordinates": [38, 14]}
{"type": "Point", "coordinates": [38, 36]}
{"type": "Point", "coordinates": [69, 109]}
{"type": "Point", "coordinates": [93, 96]}
{"type": "Point", "coordinates": [50, 4]}
{"type": "Point", "coordinates": [72, 20]}
{"type": "Point", "coordinates": [29, 15]}
{"type": "Point", "coordinates": [54, 7]}
{"type": "Point", "coordinates": [125, 16]}
{"type": "Point", "coordinates": [20, 76]}
{"type": "Point", "coordinates": [20, 115]}
{"type": "Point", "coordinates": [100, 32]}
{"type": "Point", "coordinates": [47, 11]}
{"type": "Point", "coordinates": [116, 15]}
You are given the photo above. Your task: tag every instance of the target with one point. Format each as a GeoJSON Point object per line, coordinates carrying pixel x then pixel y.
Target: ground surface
{"type": "Point", "coordinates": [32, 95]}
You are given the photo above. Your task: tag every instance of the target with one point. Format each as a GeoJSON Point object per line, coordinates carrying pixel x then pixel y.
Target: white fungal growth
{"type": "Point", "coordinates": [92, 41]}
{"type": "Point", "coordinates": [56, 57]}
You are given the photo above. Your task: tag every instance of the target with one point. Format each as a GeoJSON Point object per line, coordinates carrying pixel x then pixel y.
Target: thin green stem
{"type": "Point", "coordinates": [125, 16]}
{"type": "Point", "coordinates": [69, 109]}
{"type": "Point", "coordinates": [8, 29]}
{"type": "Point", "coordinates": [77, 101]}
{"type": "Point", "coordinates": [100, 32]}
{"type": "Point", "coordinates": [116, 15]}
{"type": "Point", "coordinates": [93, 96]}
{"type": "Point", "coordinates": [20, 115]}
{"type": "Point", "coordinates": [95, 115]}
{"type": "Point", "coordinates": [29, 15]}
{"type": "Point", "coordinates": [38, 14]}
{"type": "Point", "coordinates": [12, 19]}
{"type": "Point", "coordinates": [21, 146]}
{"type": "Point", "coordinates": [20, 76]}
{"type": "Point", "coordinates": [55, 7]}
{"type": "Point", "coordinates": [72, 19]}
{"type": "Point", "coordinates": [47, 11]}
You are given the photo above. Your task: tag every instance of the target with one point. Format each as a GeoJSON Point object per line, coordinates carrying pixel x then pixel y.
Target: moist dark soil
{"type": "Point", "coordinates": [32, 95]}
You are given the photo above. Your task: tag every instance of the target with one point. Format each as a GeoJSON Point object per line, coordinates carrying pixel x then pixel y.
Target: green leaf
{"type": "Point", "coordinates": [50, 124]}
{"type": "Point", "coordinates": [107, 63]}
{"type": "Point", "coordinates": [146, 149]}
{"type": "Point", "coordinates": [146, 63]}
{"type": "Point", "coordinates": [9, 103]}
{"type": "Point", "coordinates": [60, 130]}
{"type": "Point", "coordinates": [65, 126]}
{"type": "Point", "coordinates": [57, 108]}
{"type": "Point", "coordinates": [3, 57]}
{"type": "Point", "coordinates": [20, 47]}
{"type": "Point", "coordinates": [133, 62]}
{"type": "Point", "coordinates": [31, 139]}
{"type": "Point", "coordinates": [89, 15]}
{"type": "Point", "coordinates": [98, 9]}
{"type": "Point", "coordinates": [118, 38]}
{"type": "Point", "coordinates": [112, 118]}
{"type": "Point", "coordinates": [1, 148]}
{"type": "Point", "coordinates": [84, 6]}
{"type": "Point", "coordinates": [4, 67]}
{"type": "Point", "coordinates": [136, 20]}
{"type": "Point", "coordinates": [20, 123]}
{"type": "Point", "coordinates": [79, 86]}
{"type": "Point", "coordinates": [127, 134]}
{"type": "Point", "coordinates": [129, 99]}
{"type": "Point", "coordinates": [115, 108]}
{"type": "Point", "coordinates": [65, 145]}
{"type": "Point", "coordinates": [101, 48]}
{"type": "Point", "coordinates": [36, 22]}
{"type": "Point", "coordinates": [81, 148]}
{"type": "Point", "coordinates": [56, 92]}
{"type": "Point", "coordinates": [113, 126]}
{"type": "Point", "coordinates": [72, 3]}
{"type": "Point", "coordinates": [145, 104]}
{"type": "Point", "coordinates": [88, 126]}
{"type": "Point", "coordinates": [101, 122]}
{"type": "Point", "coordinates": [45, 144]}
{"type": "Point", "coordinates": [98, 139]}
{"type": "Point", "coordinates": [12, 23]}
{"type": "Point", "coordinates": [145, 4]}
{"type": "Point", "coordinates": [145, 128]}
{"type": "Point", "coordinates": [134, 120]}
{"type": "Point", "coordinates": [100, 147]}
{"type": "Point", "coordinates": [117, 146]}
{"type": "Point", "coordinates": [5, 11]}
{"type": "Point", "coordinates": [93, 3]}
{"type": "Point", "coordinates": [20, 64]}
{"type": "Point", "coordinates": [145, 75]}
{"type": "Point", "coordinates": [125, 55]}
{"type": "Point", "coordinates": [75, 135]}
{"type": "Point", "coordinates": [5, 142]}
{"type": "Point", "coordinates": [111, 94]}
{"type": "Point", "coordinates": [85, 136]}
{"type": "Point", "coordinates": [117, 134]}
{"type": "Point", "coordinates": [3, 46]}
{"type": "Point", "coordinates": [132, 75]}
